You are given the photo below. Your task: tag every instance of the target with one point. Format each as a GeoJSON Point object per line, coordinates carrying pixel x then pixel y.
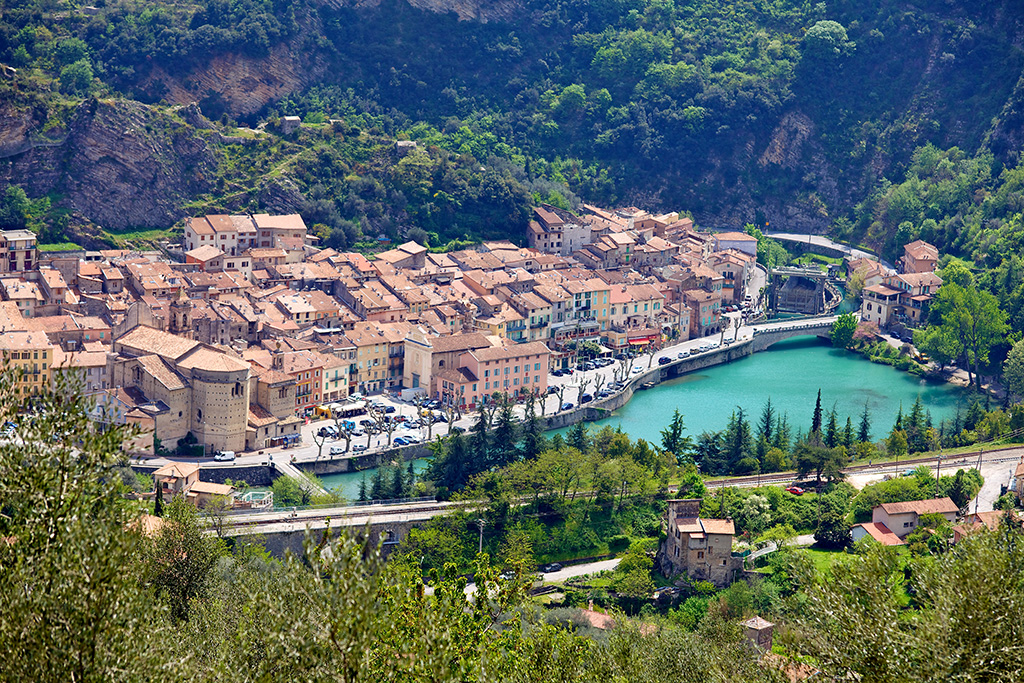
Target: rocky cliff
{"type": "Point", "coordinates": [118, 163]}
{"type": "Point", "coordinates": [468, 10]}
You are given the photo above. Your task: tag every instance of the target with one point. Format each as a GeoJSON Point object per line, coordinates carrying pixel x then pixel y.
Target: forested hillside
{"type": "Point", "coordinates": [803, 114]}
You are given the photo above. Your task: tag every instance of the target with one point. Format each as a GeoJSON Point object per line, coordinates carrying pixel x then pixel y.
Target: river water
{"type": "Point", "coordinates": [347, 483]}
{"type": "Point", "coordinates": [790, 373]}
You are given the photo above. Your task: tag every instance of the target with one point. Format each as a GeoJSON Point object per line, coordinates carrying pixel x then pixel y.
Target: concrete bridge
{"type": "Point", "coordinates": [282, 530]}
{"type": "Point", "coordinates": [767, 334]}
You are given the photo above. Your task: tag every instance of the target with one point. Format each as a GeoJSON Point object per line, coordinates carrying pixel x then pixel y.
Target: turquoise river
{"type": "Point", "coordinates": [790, 372]}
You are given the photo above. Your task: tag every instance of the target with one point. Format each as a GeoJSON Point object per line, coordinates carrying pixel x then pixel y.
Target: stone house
{"type": "Point", "coordinates": [699, 548]}
{"type": "Point", "coordinates": [903, 518]}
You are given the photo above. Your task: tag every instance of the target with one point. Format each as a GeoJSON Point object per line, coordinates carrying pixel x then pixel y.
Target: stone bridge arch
{"type": "Point", "coordinates": [765, 337]}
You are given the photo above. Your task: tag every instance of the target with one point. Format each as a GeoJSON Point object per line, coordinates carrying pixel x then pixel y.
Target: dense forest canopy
{"type": "Point", "coordinates": [879, 120]}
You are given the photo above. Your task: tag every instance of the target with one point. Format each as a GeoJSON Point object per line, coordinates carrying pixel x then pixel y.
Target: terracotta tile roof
{"type": "Point", "coordinates": [718, 526]}
{"type": "Point", "coordinates": [211, 488]}
{"type": "Point", "coordinates": [921, 507]}
{"type": "Point", "coordinates": [180, 470]}
{"type": "Point", "coordinates": [158, 368]}
{"type": "Point", "coordinates": [515, 351]}
{"type": "Point", "coordinates": [881, 533]}
{"type": "Point", "coordinates": [149, 340]}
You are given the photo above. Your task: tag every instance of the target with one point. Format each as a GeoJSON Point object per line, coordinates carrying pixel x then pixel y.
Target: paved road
{"type": "Point", "coordinates": [799, 541]}
{"type": "Point", "coordinates": [563, 574]}
{"type": "Point", "coordinates": [576, 384]}
{"type": "Point", "coordinates": [820, 241]}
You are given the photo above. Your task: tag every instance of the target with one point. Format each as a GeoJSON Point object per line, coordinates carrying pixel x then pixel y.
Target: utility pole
{"type": "Point", "coordinates": [481, 523]}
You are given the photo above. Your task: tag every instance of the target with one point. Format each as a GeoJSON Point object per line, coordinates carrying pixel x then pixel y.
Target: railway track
{"type": "Point", "coordinates": [333, 513]}
{"type": "Point", "coordinates": [1001, 455]}
{"type": "Point", "coordinates": [773, 479]}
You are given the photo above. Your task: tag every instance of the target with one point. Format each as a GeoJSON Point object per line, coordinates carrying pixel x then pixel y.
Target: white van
{"type": "Point", "coordinates": [225, 456]}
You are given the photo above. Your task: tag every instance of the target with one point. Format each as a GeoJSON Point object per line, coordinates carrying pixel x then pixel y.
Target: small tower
{"type": "Point", "coordinates": [181, 314]}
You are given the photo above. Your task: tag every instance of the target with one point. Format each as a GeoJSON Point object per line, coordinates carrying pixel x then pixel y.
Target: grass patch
{"type": "Point", "coordinates": [60, 246]}
{"type": "Point", "coordinates": [124, 238]}
{"type": "Point", "coordinates": [822, 559]}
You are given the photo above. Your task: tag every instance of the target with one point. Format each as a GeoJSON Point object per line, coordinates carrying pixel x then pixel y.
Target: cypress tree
{"type": "Point", "coordinates": [816, 419]}
{"type": "Point", "coordinates": [764, 427]}
{"type": "Point", "coordinates": [362, 489]}
{"type": "Point", "coordinates": [832, 431]}
{"type": "Point", "coordinates": [158, 504]}
{"type": "Point", "coordinates": [848, 433]}
{"type": "Point", "coordinates": [864, 432]}
{"type": "Point", "coordinates": [397, 483]}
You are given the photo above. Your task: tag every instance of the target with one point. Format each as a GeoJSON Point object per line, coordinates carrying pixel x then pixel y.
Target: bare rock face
{"type": "Point", "coordinates": [785, 148]}
{"type": "Point", "coordinates": [244, 84]}
{"type": "Point", "coordinates": [120, 164]}
{"type": "Point", "coordinates": [468, 10]}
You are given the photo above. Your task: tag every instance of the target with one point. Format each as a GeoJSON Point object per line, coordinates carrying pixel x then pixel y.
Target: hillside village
{"type": "Point", "coordinates": [236, 334]}
{"type": "Point", "coordinates": [233, 337]}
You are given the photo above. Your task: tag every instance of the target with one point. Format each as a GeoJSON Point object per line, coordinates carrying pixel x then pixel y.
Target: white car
{"type": "Point", "coordinates": [224, 456]}
{"type": "Point", "coordinates": [637, 369]}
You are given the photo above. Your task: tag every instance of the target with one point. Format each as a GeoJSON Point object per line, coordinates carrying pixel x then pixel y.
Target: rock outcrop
{"type": "Point", "coordinates": [243, 84]}
{"type": "Point", "coordinates": [468, 10]}
{"type": "Point", "coordinates": [119, 163]}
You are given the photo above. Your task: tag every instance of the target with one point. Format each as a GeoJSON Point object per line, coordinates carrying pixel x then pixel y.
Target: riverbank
{"type": "Point", "coordinates": [789, 373]}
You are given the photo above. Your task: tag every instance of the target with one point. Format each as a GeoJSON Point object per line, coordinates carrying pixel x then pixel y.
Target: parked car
{"type": "Point", "coordinates": [399, 441]}
{"type": "Point", "coordinates": [224, 456]}
{"type": "Point", "coordinates": [586, 398]}
{"type": "Point", "coordinates": [389, 409]}
{"type": "Point", "coordinates": [556, 373]}
{"type": "Point", "coordinates": [553, 567]}
{"type": "Point", "coordinates": [664, 360]}
{"type": "Point", "coordinates": [637, 369]}
{"type": "Point", "coordinates": [358, 448]}
{"type": "Point", "coordinates": [683, 354]}
{"type": "Point", "coordinates": [357, 432]}
{"type": "Point", "coordinates": [337, 450]}
{"type": "Point", "coordinates": [567, 406]}
{"type": "Point", "coordinates": [795, 490]}
{"type": "Point", "coordinates": [552, 390]}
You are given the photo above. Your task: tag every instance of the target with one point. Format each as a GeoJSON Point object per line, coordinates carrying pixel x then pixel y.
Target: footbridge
{"type": "Point", "coordinates": [766, 334]}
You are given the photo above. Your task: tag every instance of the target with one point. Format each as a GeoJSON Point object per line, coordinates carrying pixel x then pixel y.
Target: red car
{"type": "Point", "coordinates": [795, 490]}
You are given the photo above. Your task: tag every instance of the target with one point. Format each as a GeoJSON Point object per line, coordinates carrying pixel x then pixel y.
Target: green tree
{"type": "Point", "coordinates": [975, 319]}
{"type": "Point", "coordinates": [76, 78]}
{"type": "Point", "coordinates": [842, 330]}
{"type": "Point", "coordinates": [833, 531]}
{"type": "Point", "coordinates": [1013, 369]}
{"type": "Point", "coordinates": [827, 41]}
{"type": "Point", "coordinates": [158, 501]}
{"type": "Point", "coordinates": [181, 558]}
{"type": "Point", "coordinates": [864, 429]}
{"type": "Point", "coordinates": [939, 343]}
{"type": "Point", "coordinates": [288, 493]}
{"type": "Point", "coordinates": [816, 417]}
{"type": "Point", "coordinates": [633, 574]}
{"type": "Point", "coordinates": [675, 441]}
